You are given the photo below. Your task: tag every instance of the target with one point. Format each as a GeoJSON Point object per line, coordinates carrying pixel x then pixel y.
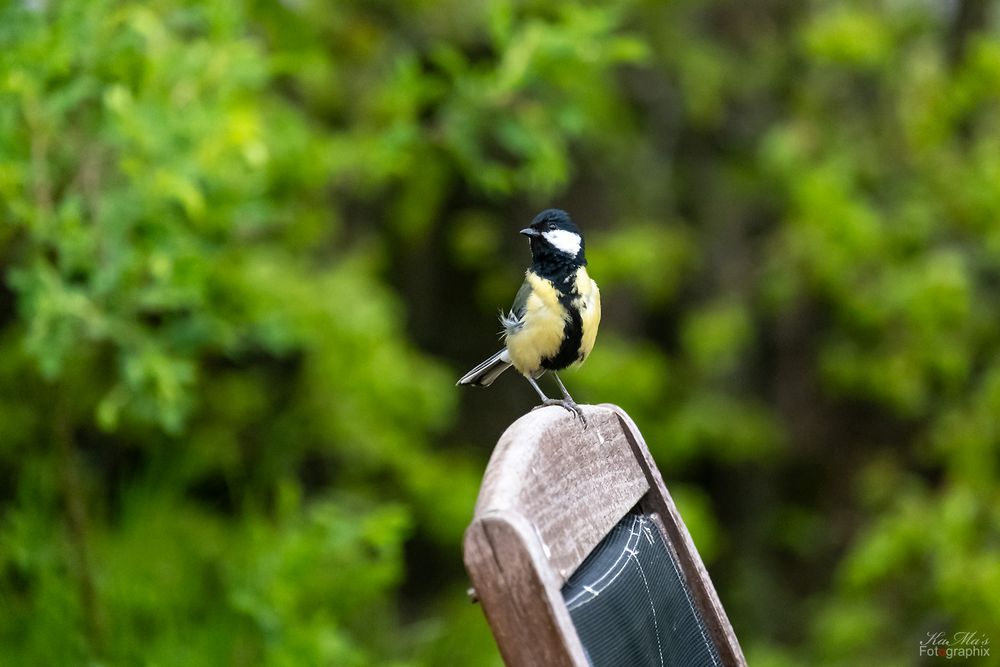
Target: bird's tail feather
{"type": "Point", "coordinates": [485, 373]}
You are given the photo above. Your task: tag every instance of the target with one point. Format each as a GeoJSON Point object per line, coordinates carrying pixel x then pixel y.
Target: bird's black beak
{"type": "Point", "coordinates": [530, 232]}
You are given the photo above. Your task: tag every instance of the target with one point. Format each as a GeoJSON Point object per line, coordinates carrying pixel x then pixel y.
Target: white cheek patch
{"type": "Point", "coordinates": [564, 241]}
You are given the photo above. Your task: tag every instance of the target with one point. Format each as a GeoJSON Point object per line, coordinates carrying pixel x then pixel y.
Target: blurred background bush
{"type": "Point", "coordinates": [247, 247]}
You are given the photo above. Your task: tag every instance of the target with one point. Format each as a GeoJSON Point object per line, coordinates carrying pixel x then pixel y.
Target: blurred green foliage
{"type": "Point", "coordinates": [247, 247]}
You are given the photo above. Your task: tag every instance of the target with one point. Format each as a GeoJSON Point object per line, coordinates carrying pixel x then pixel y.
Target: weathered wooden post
{"type": "Point", "coordinates": [579, 556]}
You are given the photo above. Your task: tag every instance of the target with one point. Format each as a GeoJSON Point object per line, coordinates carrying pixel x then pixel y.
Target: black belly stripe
{"type": "Point", "coordinates": [569, 350]}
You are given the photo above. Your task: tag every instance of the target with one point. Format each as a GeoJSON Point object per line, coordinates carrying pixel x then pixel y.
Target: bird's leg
{"type": "Point", "coordinates": [541, 394]}
{"type": "Point", "coordinates": [569, 399]}
{"type": "Point", "coordinates": [563, 388]}
{"type": "Point", "coordinates": [566, 402]}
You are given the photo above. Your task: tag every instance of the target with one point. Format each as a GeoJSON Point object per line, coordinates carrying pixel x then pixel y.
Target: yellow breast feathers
{"type": "Point", "coordinates": [589, 305]}
{"type": "Point", "coordinates": [542, 330]}
{"type": "Point", "coordinates": [544, 323]}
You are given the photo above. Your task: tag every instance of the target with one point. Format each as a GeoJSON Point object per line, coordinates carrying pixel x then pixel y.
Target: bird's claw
{"type": "Point", "coordinates": [567, 404]}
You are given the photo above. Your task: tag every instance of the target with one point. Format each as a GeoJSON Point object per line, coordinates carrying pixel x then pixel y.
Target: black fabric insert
{"type": "Point", "coordinates": [630, 606]}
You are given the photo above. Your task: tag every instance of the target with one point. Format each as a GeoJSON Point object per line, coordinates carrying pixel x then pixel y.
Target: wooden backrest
{"type": "Point", "coordinates": [551, 493]}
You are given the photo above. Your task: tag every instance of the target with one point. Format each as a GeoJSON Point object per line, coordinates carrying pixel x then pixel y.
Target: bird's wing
{"type": "Point", "coordinates": [513, 320]}
{"type": "Point", "coordinates": [521, 299]}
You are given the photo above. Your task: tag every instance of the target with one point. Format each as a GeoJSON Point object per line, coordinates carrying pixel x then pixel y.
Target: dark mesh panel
{"type": "Point", "coordinates": [630, 606]}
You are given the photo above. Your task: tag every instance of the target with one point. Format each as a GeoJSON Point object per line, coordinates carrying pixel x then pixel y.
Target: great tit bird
{"type": "Point", "coordinates": [553, 322]}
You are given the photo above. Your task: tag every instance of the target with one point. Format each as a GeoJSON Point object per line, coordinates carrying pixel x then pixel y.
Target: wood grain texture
{"type": "Point", "coordinates": [519, 593]}
{"type": "Point", "coordinates": [551, 492]}
{"type": "Point", "coordinates": [572, 484]}
{"type": "Point", "coordinates": [659, 503]}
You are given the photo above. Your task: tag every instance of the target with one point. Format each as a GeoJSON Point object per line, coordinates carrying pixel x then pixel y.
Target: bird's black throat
{"type": "Point", "coordinates": [555, 266]}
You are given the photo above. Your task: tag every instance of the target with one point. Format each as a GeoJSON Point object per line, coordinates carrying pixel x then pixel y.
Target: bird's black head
{"type": "Point", "coordinates": [555, 239]}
